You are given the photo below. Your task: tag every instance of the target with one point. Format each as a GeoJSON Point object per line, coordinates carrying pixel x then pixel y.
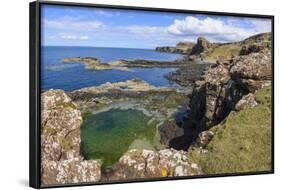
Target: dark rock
{"type": "Point", "coordinates": [201, 46]}
{"type": "Point", "coordinates": [187, 75]}
{"type": "Point", "coordinates": [169, 130]}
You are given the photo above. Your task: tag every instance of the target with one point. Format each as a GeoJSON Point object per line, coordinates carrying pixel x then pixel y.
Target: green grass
{"type": "Point", "coordinates": [225, 51]}
{"type": "Point", "coordinates": [108, 135]}
{"type": "Point", "coordinates": [242, 143]}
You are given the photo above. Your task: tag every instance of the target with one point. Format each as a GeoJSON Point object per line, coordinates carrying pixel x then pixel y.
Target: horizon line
{"type": "Point", "coordinates": [97, 47]}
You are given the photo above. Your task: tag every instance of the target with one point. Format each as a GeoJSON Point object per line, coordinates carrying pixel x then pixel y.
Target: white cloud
{"type": "Point", "coordinates": [144, 30]}
{"type": "Point", "coordinates": [70, 23]}
{"type": "Point", "coordinates": [72, 37]}
{"type": "Point", "coordinates": [214, 29]}
{"type": "Point", "coordinates": [84, 37]}
{"type": "Point", "coordinates": [190, 28]}
{"type": "Point", "coordinates": [103, 13]}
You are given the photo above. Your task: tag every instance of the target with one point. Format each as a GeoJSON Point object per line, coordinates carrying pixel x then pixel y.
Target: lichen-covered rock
{"type": "Point", "coordinates": [60, 126]}
{"type": "Point", "coordinates": [137, 164]}
{"type": "Point", "coordinates": [247, 101]}
{"type": "Point", "coordinates": [256, 66]}
{"type": "Point", "coordinates": [75, 170]}
{"type": "Point", "coordinates": [60, 142]}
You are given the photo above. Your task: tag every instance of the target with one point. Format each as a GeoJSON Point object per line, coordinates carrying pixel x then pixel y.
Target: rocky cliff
{"type": "Point", "coordinates": [60, 142]}
{"type": "Point", "coordinates": [223, 85]}
{"type": "Point", "coordinates": [219, 90]}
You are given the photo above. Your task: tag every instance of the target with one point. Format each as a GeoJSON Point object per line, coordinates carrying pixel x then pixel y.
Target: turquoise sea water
{"type": "Point", "coordinates": [72, 76]}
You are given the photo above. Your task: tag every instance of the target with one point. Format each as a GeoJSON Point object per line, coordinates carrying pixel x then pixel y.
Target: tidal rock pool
{"type": "Point", "coordinates": [108, 135]}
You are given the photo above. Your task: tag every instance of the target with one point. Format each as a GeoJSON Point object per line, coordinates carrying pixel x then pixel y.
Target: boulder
{"type": "Point", "coordinates": [247, 101]}
{"type": "Point", "coordinates": [61, 161]}
{"type": "Point", "coordinates": [203, 139]}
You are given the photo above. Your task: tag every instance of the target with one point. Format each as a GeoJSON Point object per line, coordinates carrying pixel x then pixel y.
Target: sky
{"type": "Point", "coordinates": [104, 27]}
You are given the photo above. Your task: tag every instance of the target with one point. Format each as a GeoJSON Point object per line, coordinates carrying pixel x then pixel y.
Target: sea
{"type": "Point", "coordinates": [73, 76]}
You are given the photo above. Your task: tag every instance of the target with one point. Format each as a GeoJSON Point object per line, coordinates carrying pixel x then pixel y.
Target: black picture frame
{"type": "Point", "coordinates": [35, 88]}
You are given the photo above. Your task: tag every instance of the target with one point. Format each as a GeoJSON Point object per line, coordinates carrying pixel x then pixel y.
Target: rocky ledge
{"type": "Point", "coordinates": [181, 47]}
{"type": "Point", "coordinates": [137, 164]}
{"type": "Point", "coordinates": [92, 63]}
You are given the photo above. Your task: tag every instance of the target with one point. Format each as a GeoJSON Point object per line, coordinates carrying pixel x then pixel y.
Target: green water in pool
{"type": "Point", "coordinates": [108, 135]}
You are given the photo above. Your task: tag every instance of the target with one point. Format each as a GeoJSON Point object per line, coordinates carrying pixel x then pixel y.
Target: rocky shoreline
{"type": "Point", "coordinates": [193, 124]}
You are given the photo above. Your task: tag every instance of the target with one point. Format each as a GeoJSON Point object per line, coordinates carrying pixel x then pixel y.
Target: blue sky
{"type": "Point", "coordinates": [98, 27]}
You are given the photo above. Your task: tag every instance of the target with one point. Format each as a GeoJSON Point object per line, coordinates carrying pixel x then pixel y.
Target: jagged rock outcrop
{"type": "Point", "coordinates": [202, 45]}
{"type": "Point", "coordinates": [136, 164]}
{"type": "Point", "coordinates": [247, 49]}
{"type": "Point", "coordinates": [225, 83]}
{"type": "Point", "coordinates": [60, 142]}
